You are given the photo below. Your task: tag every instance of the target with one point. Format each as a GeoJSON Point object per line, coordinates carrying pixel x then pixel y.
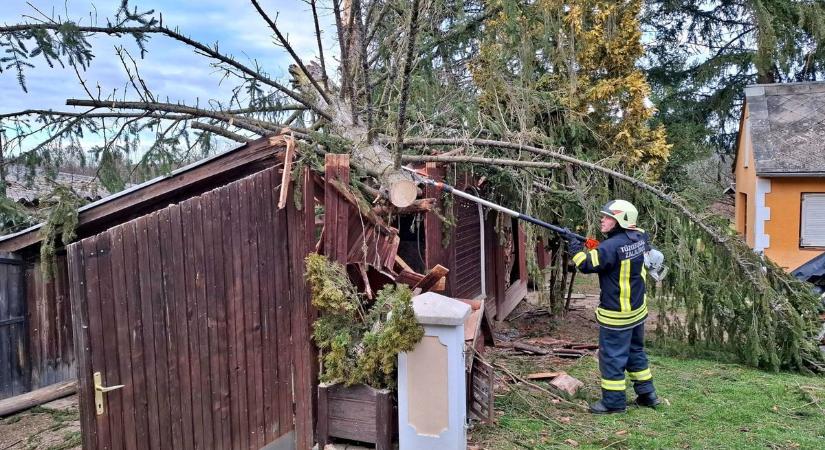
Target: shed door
{"type": "Point", "coordinates": [190, 310]}
{"type": "Point", "coordinates": [15, 376]}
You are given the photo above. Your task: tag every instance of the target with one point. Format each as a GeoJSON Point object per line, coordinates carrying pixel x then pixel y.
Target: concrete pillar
{"type": "Point", "coordinates": [432, 403]}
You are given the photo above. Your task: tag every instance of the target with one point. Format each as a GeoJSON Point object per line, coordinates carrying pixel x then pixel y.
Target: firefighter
{"type": "Point", "coordinates": [620, 262]}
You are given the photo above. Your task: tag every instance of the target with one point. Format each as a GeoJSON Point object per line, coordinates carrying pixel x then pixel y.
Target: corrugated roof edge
{"type": "Point", "coordinates": [132, 189]}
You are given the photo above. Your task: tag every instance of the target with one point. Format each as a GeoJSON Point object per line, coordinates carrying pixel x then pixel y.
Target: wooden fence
{"type": "Point", "coordinates": [14, 365]}
{"type": "Point", "coordinates": [200, 311]}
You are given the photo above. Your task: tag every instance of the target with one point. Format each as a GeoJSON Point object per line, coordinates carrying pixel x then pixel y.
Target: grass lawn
{"type": "Point", "coordinates": [707, 405]}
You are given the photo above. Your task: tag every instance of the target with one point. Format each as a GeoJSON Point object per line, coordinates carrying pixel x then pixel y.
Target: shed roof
{"type": "Point", "coordinates": [787, 123]}
{"type": "Point", "coordinates": [157, 193]}
{"type": "Point", "coordinates": [28, 186]}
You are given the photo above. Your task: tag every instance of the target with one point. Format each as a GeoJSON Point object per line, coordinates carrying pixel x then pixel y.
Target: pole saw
{"type": "Point", "coordinates": [589, 243]}
{"type": "Point", "coordinates": [654, 259]}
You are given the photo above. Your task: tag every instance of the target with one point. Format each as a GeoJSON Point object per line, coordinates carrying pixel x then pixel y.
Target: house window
{"type": "Point", "coordinates": [812, 233]}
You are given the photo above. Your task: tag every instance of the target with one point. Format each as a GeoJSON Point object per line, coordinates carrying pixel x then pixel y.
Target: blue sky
{"type": "Point", "coordinates": [170, 68]}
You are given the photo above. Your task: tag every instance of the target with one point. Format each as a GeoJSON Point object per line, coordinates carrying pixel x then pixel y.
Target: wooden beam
{"type": "Point", "coordinates": [37, 397]}
{"type": "Point", "coordinates": [431, 279]}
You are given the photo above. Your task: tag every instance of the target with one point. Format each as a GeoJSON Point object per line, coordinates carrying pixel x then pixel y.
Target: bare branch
{"type": "Point", "coordinates": [480, 160]}
{"type": "Point", "coordinates": [405, 84]}
{"type": "Point", "coordinates": [206, 50]}
{"type": "Point", "coordinates": [256, 126]}
{"type": "Point", "coordinates": [320, 45]}
{"type": "Point", "coordinates": [289, 49]}
{"type": "Point", "coordinates": [220, 131]}
{"type": "Point", "coordinates": [92, 115]}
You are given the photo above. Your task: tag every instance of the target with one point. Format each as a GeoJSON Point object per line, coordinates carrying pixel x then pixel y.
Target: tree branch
{"type": "Point", "coordinates": [717, 236]}
{"type": "Point", "coordinates": [220, 131]}
{"type": "Point", "coordinates": [289, 49]}
{"type": "Point", "coordinates": [480, 160]}
{"type": "Point", "coordinates": [256, 126]}
{"type": "Point", "coordinates": [405, 84]}
{"type": "Point", "coordinates": [320, 44]}
{"type": "Point", "coordinates": [208, 51]}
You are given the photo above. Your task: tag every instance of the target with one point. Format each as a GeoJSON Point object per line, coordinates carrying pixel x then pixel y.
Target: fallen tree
{"type": "Point", "coordinates": [416, 78]}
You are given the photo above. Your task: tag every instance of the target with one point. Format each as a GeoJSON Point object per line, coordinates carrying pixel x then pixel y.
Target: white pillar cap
{"type": "Point", "coordinates": [435, 309]}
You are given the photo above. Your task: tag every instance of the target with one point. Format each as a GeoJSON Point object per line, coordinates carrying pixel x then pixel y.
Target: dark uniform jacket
{"type": "Point", "coordinates": [619, 261]}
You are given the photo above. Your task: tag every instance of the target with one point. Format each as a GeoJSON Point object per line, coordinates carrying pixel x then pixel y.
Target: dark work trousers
{"type": "Point", "coordinates": [620, 351]}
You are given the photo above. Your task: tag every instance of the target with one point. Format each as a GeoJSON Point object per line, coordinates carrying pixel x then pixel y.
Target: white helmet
{"type": "Point", "coordinates": [623, 211]}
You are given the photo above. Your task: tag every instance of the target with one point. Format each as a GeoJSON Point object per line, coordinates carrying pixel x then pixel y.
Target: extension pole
{"type": "Point", "coordinates": [447, 188]}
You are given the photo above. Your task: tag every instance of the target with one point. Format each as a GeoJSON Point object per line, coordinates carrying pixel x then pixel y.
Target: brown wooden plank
{"type": "Point", "coordinates": [171, 301]}
{"type": "Point", "coordinates": [17, 308]}
{"type": "Point", "coordinates": [121, 314]}
{"type": "Point", "coordinates": [182, 326]}
{"type": "Point", "coordinates": [500, 277]}
{"type": "Point", "coordinates": [218, 259]}
{"type": "Point", "coordinates": [434, 252]}
{"type": "Point", "coordinates": [159, 312]}
{"type": "Point", "coordinates": [521, 253]}
{"type": "Point", "coordinates": [331, 204]}
{"type": "Point", "coordinates": [246, 155]}
{"type": "Point", "coordinates": [201, 319]}
{"type": "Point", "coordinates": [344, 209]}
{"type": "Point", "coordinates": [231, 304]}
{"type": "Point", "coordinates": [284, 308]}
{"type": "Point", "coordinates": [33, 321]}
{"type": "Point", "coordinates": [253, 319]}
{"type": "Point", "coordinates": [131, 292]}
{"type": "Point", "coordinates": [266, 233]}
{"type": "Point", "coordinates": [514, 295]}
{"type": "Point", "coordinates": [255, 194]}
{"type": "Point", "coordinates": [80, 320]}
{"type": "Point", "coordinates": [208, 307]}
{"type": "Point", "coordinates": [147, 321]}
{"type": "Point", "coordinates": [238, 306]}
{"type": "Point", "coordinates": [7, 375]}
{"type": "Point", "coordinates": [111, 376]}
{"type": "Point", "coordinates": [97, 338]}
{"type": "Point", "coordinates": [308, 218]}
{"type": "Point", "coordinates": [190, 235]}
{"type": "Point", "coordinates": [304, 411]}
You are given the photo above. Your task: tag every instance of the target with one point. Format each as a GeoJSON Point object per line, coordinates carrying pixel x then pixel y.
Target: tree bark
{"type": "Point", "coordinates": [37, 397]}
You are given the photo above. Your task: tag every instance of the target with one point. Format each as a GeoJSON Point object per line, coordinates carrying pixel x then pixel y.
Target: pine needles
{"type": "Point", "coordinates": [357, 343]}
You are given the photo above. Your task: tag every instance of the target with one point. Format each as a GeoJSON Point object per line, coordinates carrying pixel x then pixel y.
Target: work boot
{"type": "Point", "coordinates": [599, 408]}
{"type": "Point", "coordinates": [648, 400]}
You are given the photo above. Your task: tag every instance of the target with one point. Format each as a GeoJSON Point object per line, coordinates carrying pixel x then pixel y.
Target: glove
{"type": "Point", "coordinates": [574, 244]}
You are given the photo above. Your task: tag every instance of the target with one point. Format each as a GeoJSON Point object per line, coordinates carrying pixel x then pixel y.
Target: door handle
{"type": "Point", "coordinates": [100, 389]}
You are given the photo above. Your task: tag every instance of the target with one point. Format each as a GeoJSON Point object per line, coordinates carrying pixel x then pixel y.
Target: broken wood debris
{"type": "Point", "coordinates": [543, 375]}
{"type": "Point", "coordinates": [559, 348]}
{"type": "Point", "coordinates": [432, 278]}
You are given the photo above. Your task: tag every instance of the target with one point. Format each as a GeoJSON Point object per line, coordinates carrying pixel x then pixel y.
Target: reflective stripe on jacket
{"type": "Point", "coordinates": [619, 261]}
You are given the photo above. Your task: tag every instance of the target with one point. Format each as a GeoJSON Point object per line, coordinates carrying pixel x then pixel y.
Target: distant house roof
{"type": "Point", "coordinates": [29, 188]}
{"type": "Point", "coordinates": [787, 123]}
{"type": "Point", "coordinates": [158, 193]}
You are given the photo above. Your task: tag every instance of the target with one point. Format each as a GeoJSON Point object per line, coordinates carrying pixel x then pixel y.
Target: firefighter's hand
{"type": "Point", "coordinates": [574, 244]}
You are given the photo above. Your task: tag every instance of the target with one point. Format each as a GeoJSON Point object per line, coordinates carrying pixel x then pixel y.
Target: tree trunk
{"type": "Point", "coordinates": [37, 397]}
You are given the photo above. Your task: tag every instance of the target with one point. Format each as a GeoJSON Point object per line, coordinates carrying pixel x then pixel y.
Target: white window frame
{"type": "Point", "coordinates": [812, 213]}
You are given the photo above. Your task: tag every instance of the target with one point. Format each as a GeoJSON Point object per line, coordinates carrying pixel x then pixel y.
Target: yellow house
{"type": "Point", "coordinates": [780, 172]}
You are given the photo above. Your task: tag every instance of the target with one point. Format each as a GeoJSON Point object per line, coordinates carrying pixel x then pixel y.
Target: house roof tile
{"type": "Point", "coordinates": [787, 123]}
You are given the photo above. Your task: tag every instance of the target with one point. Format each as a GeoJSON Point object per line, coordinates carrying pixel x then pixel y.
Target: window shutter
{"type": "Point", "coordinates": [813, 220]}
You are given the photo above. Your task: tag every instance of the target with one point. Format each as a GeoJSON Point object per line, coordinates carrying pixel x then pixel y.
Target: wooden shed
{"type": "Point", "coordinates": [188, 290]}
